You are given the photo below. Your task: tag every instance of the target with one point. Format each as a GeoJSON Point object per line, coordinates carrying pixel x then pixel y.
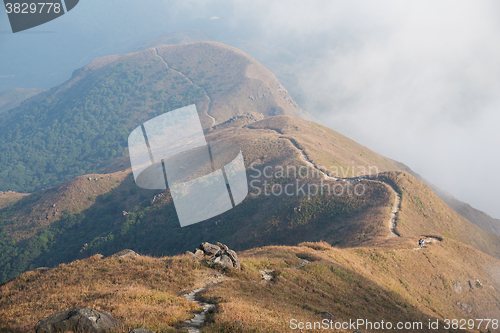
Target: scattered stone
{"type": "Point", "coordinates": [457, 287]}
{"type": "Point", "coordinates": [141, 330]}
{"type": "Point", "coordinates": [266, 275]}
{"type": "Point", "coordinates": [464, 307]}
{"type": "Point", "coordinates": [219, 254]}
{"type": "Point", "coordinates": [471, 285]}
{"type": "Point", "coordinates": [326, 315]}
{"type": "Point", "coordinates": [127, 253]}
{"type": "Point", "coordinates": [77, 320]}
{"type": "Point", "coordinates": [209, 249]}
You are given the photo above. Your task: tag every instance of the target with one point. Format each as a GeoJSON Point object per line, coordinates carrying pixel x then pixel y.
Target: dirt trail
{"type": "Point", "coordinates": [395, 209]}
{"type": "Point", "coordinates": [193, 325]}
{"type": "Point", "coordinates": [189, 80]}
{"type": "Point", "coordinates": [308, 162]}
{"type": "Point", "coordinates": [392, 222]}
{"type": "Point", "coordinates": [428, 240]}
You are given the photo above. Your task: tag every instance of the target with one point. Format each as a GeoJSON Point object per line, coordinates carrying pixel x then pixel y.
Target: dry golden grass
{"type": "Point", "coordinates": [423, 213]}
{"type": "Point", "coordinates": [235, 82]}
{"type": "Point", "coordinates": [341, 156]}
{"type": "Point", "coordinates": [396, 284]}
{"type": "Point", "coordinates": [374, 284]}
{"type": "Point", "coordinates": [138, 292]}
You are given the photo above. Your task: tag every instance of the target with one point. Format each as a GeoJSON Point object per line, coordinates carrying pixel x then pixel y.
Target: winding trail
{"type": "Point", "coordinates": [193, 325]}
{"type": "Point", "coordinates": [209, 105]}
{"type": "Point", "coordinates": [392, 222]}
{"type": "Point", "coordinates": [304, 158]}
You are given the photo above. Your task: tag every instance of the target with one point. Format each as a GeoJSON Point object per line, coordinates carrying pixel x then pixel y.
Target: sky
{"type": "Point", "coordinates": [418, 81]}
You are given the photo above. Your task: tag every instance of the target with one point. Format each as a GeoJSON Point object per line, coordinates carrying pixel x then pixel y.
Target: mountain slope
{"type": "Point", "coordinates": [119, 214]}
{"type": "Point", "coordinates": [396, 285]}
{"type": "Point", "coordinates": [82, 125]}
{"type": "Point", "coordinates": [476, 216]}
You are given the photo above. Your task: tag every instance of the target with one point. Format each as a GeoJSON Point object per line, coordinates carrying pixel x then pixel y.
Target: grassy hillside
{"type": "Point", "coordinates": [400, 284]}
{"type": "Point", "coordinates": [109, 212]}
{"type": "Point", "coordinates": [424, 213]}
{"type": "Point", "coordinates": [476, 216]}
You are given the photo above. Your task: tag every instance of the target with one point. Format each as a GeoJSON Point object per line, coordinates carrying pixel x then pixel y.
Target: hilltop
{"type": "Point", "coordinates": [81, 126]}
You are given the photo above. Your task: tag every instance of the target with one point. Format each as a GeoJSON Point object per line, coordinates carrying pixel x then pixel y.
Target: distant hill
{"type": "Point", "coordinates": [82, 125]}
{"type": "Point", "coordinates": [12, 98]}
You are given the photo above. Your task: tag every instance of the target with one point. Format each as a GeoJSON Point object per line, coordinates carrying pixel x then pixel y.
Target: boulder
{"type": "Point", "coordinates": [234, 258]}
{"type": "Point", "coordinates": [220, 255]}
{"type": "Point", "coordinates": [77, 320]}
{"type": "Point", "coordinates": [222, 246]}
{"type": "Point", "coordinates": [209, 249]}
{"type": "Point", "coordinates": [471, 285]}
{"type": "Point", "coordinates": [127, 253]}
{"type": "Point", "coordinates": [199, 254]}
{"type": "Point", "coordinates": [192, 255]}
{"type": "Point", "coordinates": [223, 261]}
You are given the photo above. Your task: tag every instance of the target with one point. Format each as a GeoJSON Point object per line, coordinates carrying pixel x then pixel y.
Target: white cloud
{"type": "Point", "coordinates": [416, 81]}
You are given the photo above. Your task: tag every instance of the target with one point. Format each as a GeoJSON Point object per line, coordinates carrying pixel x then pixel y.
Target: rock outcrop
{"type": "Point", "coordinates": [219, 255]}
{"type": "Point", "coordinates": [127, 253]}
{"type": "Point", "coordinates": [77, 320]}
